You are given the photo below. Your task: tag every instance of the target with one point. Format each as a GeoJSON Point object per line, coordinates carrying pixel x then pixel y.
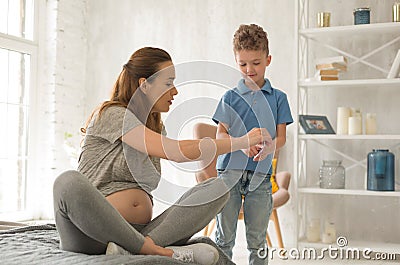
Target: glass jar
{"type": "Point", "coordinates": [332, 175]}
{"type": "Point", "coordinates": [380, 174]}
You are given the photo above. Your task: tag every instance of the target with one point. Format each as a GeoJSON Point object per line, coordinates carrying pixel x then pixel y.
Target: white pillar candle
{"type": "Point", "coordinates": [312, 234]}
{"type": "Point", "coordinates": [355, 125]}
{"type": "Point", "coordinates": [328, 238]}
{"type": "Point", "coordinates": [343, 114]}
{"type": "Point", "coordinates": [370, 123]}
{"type": "Point", "coordinates": [329, 235]}
{"type": "Point", "coordinates": [355, 112]}
{"type": "Point", "coordinates": [330, 229]}
{"type": "Point", "coordinates": [313, 231]}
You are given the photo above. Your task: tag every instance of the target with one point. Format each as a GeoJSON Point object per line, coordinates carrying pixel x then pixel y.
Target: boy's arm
{"type": "Point", "coordinates": [280, 136]}
{"type": "Point", "coordinates": [222, 130]}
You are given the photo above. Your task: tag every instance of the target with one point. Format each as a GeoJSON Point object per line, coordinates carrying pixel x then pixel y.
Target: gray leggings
{"type": "Point", "coordinates": [86, 221]}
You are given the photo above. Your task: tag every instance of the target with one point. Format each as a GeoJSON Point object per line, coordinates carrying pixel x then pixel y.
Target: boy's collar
{"type": "Point", "coordinates": [243, 89]}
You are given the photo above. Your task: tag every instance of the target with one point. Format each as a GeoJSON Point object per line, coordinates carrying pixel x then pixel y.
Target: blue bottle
{"type": "Point", "coordinates": [380, 176]}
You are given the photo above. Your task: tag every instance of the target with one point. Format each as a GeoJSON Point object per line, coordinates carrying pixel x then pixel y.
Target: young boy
{"type": "Point", "coordinates": [253, 103]}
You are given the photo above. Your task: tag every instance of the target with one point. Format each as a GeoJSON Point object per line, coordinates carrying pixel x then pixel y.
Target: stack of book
{"type": "Point", "coordinates": [327, 74]}
{"type": "Point", "coordinates": [329, 68]}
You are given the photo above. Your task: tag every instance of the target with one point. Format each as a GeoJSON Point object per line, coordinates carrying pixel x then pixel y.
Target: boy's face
{"type": "Point", "coordinates": [252, 64]}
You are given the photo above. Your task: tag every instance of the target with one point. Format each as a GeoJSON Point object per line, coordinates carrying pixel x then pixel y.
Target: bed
{"type": "Point", "coordinates": [39, 244]}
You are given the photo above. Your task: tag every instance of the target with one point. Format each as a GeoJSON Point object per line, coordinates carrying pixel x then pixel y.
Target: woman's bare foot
{"type": "Point", "coordinates": [200, 253]}
{"type": "Point", "coordinates": [150, 248]}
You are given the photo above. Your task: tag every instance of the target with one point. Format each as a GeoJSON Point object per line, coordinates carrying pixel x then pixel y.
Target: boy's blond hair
{"type": "Point", "coordinates": [250, 37]}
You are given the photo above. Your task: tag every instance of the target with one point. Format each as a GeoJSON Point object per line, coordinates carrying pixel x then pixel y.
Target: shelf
{"type": "Point", "coordinates": [348, 137]}
{"type": "Point", "coordinates": [317, 190]}
{"type": "Point", "coordinates": [370, 50]}
{"type": "Point", "coordinates": [351, 30]}
{"type": "Point", "coordinates": [351, 83]}
{"type": "Point", "coordinates": [361, 245]}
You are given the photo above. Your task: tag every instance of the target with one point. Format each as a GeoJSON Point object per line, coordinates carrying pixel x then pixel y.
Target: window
{"type": "Point", "coordinates": [16, 18]}
{"type": "Point", "coordinates": [18, 54]}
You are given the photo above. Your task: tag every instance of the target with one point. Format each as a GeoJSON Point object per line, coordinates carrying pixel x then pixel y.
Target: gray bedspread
{"type": "Point", "coordinates": [40, 245]}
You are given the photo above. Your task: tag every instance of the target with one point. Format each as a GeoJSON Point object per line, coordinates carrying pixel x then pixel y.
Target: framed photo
{"type": "Point", "coordinates": [313, 124]}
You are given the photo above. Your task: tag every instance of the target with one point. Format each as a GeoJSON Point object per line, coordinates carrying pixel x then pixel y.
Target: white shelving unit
{"type": "Point", "coordinates": [307, 191]}
{"type": "Point", "coordinates": [348, 137]}
{"type": "Point", "coordinates": [380, 28]}
{"type": "Point", "coordinates": [317, 190]}
{"type": "Point", "coordinates": [350, 83]}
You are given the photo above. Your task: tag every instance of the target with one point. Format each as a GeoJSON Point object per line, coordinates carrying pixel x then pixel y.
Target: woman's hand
{"type": "Point", "coordinates": [257, 136]}
{"type": "Point", "coordinates": [262, 144]}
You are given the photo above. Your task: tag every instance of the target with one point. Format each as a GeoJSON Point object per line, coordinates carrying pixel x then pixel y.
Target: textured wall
{"type": "Point", "coordinates": [60, 96]}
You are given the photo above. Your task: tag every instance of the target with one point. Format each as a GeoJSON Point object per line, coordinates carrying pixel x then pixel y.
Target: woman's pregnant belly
{"type": "Point", "coordinates": [133, 204]}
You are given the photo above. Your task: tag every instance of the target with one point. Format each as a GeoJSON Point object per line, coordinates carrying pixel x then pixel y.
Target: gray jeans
{"type": "Point", "coordinates": [86, 221]}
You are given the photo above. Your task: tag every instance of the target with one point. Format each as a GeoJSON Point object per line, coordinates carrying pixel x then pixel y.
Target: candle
{"type": "Point", "coordinates": [329, 235]}
{"type": "Point", "coordinates": [313, 231]}
{"type": "Point", "coordinates": [355, 125]}
{"type": "Point", "coordinates": [396, 12]}
{"type": "Point", "coordinates": [343, 114]}
{"type": "Point", "coordinates": [330, 229]}
{"type": "Point", "coordinates": [354, 112]}
{"type": "Point", "coordinates": [370, 123]}
{"type": "Point", "coordinates": [323, 19]}
{"type": "Point", "coordinates": [312, 234]}
{"type": "Point", "coordinates": [327, 238]}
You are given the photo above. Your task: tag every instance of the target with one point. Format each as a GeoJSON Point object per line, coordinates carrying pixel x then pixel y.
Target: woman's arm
{"type": "Point", "coordinates": [147, 141]}
{"type": "Point", "coordinates": [222, 132]}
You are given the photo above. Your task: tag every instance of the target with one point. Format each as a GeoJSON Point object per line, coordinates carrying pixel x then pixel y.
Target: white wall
{"type": "Point", "coordinates": [88, 41]}
{"type": "Point", "coordinates": [60, 97]}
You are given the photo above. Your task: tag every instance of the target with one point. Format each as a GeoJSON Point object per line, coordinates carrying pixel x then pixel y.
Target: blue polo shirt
{"type": "Point", "coordinates": [243, 109]}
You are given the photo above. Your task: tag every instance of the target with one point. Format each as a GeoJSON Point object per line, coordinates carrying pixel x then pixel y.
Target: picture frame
{"type": "Point", "coordinates": [314, 124]}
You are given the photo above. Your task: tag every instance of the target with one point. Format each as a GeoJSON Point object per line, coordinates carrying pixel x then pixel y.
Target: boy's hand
{"type": "Point", "coordinates": [252, 151]}
{"type": "Point", "coordinates": [260, 151]}
{"type": "Point", "coordinates": [265, 149]}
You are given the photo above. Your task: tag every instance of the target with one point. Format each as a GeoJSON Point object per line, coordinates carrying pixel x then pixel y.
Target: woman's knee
{"type": "Point", "coordinates": [222, 191]}
{"type": "Point", "coordinates": [212, 192]}
{"type": "Point", "coordinates": [71, 181]}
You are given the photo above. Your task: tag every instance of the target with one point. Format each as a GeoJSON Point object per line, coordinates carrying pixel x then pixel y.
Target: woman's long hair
{"type": "Point", "coordinates": [144, 63]}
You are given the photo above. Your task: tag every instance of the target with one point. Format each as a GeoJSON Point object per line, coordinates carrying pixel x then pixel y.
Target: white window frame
{"type": "Point", "coordinates": [31, 47]}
